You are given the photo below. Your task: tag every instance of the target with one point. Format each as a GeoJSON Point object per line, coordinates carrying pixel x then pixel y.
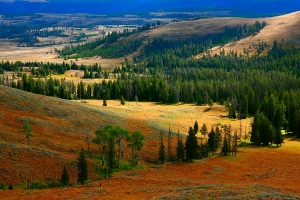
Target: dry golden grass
{"type": "Point", "coordinates": [284, 27]}
{"type": "Point", "coordinates": [180, 117]}
{"type": "Point", "coordinates": [193, 28]}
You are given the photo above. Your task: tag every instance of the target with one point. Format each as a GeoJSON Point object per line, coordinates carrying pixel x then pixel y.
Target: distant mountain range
{"type": "Point", "coordinates": [238, 7]}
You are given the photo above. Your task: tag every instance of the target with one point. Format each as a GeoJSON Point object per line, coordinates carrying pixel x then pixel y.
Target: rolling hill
{"type": "Point", "coordinates": [283, 29]}
{"type": "Point", "coordinates": [60, 128]}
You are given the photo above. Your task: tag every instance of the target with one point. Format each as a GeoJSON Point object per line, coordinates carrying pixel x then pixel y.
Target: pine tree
{"type": "Point", "coordinates": [225, 148]}
{"type": "Point", "coordinates": [191, 145]}
{"type": "Point", "coordinates": [244, 111]}
{"type": "Point", "coordinates": [204, 149]}
{"type": "Point", "coordinates": [204, 130]}
{"type": "Point", "coordinates": [180, 150]}
{"type": "Point", "coordinates": [162, 153]}
{"type": "Point", "coordinates": [196, 127]}
{"type": "Point", "coordinates": [210, 103]}
{"type": "Point", "coordinates": [212, 141]}
{"type": "Point", "coordinates": [122, 100]}
{"type": "Point", "coordinates": [82, 168]}
{"type": "Point", "coordinates": [65, 177]}
{"type": "Point", "coordinates": [278, 137]}
{"type": "Point", "coordinates": [104, 102]}
{"type": "Point", "coordinates": [218, 138]}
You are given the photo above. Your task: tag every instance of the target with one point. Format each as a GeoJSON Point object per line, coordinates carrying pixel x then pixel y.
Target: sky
{"type": "Point", "coordinates": [258, 7]}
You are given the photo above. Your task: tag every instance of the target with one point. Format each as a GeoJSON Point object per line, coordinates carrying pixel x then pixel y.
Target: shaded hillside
{"type": "Point", "coordinates": [59, 132]}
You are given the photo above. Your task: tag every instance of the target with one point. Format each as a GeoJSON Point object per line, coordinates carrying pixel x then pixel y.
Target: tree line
{"type": "Point", "coordinates": [111, 46]}
{"type": "Point", "coordinates": [27, 35]}
{"type": "Point", "coordinates": [218, 140]}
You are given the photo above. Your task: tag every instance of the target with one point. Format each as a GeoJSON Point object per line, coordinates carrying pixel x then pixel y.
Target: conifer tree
{"type": "Point", "coordinates": [196, 127]}
{"type": "Point", "coordinates": [122, 100]}
{"type": "Point", "coordinates": [180, 150]}
{"type": "Point", "coordinates": [278, 137]}
{"type": "Point", "coordinates": [204, 130]}
{"type": "Point", "coordinates": [210, 103]}
{"type": "Point", "coordinates": [191, 145]}
{"type": "Point", "coordinates": [212, 141]}
{"type": "Point", "coordinates": [65, 177]}
{"type": "Point", "coordinates": [82, 168]}
{"type": "Point", "coordinates": [162, 153]}
{"type": "Point", "coordinates": [225, 148]}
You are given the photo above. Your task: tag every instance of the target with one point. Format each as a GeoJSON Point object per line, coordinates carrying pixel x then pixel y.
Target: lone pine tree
{"type": "Point", "coordinates": [82, 168]}
{"type": "Point", "coordinates": [162, 153]}
{"type": "Point", "coordinates": [65, 177]}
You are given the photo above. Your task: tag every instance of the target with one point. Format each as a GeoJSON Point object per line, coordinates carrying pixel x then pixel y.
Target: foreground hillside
{"type": "Point", "coordinates": [60, 129]}
{"type": "Point", "coordinates": [256, 173]}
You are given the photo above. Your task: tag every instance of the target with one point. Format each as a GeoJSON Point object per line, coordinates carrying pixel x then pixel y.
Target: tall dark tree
{"type": "Point", "coordinates": [180, 150]}
{"type": "Point", "coordinates": [196, 127]}
{"type": "Point", "coordinates": [262, 130]}
{"type": "Point", "coordinates": [278, 137]}
{"type": "Point", "coordinates": [212, 139]}
{"type": "Point", "coordinates": [204, 130]}
{"type": "Point", "coordinates": [225, 147]}
{"type": "Point", "coordinates": [65, 177]}
{"type": "Point", "coordinates": [191, 145]}
{"type": "Point", "coordinates": [162, 153]}
{"type": "Point", "coordinates": [82, 168]}
{"type": "Point", "coordinates": [122, 100]}
{"type": "Point", "coordinates": [244, 110]}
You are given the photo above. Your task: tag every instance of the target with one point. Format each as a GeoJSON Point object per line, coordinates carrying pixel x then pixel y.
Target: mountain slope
{"type": "Point", "coordinates": [284, 29]}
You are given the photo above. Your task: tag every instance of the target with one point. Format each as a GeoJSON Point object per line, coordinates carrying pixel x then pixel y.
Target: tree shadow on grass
{"type": "Point", "coordinates": [207, 109]}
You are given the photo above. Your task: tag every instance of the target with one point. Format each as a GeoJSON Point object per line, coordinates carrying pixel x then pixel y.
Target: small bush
{"type": "Point", "coordinates": [38, 185]}
{"type": "Point", "coordinates": [10, 187]}
{"type": "Point", "coordinates": [243, 144]}
{"type": "Point", "coordinates": [2, 186]}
